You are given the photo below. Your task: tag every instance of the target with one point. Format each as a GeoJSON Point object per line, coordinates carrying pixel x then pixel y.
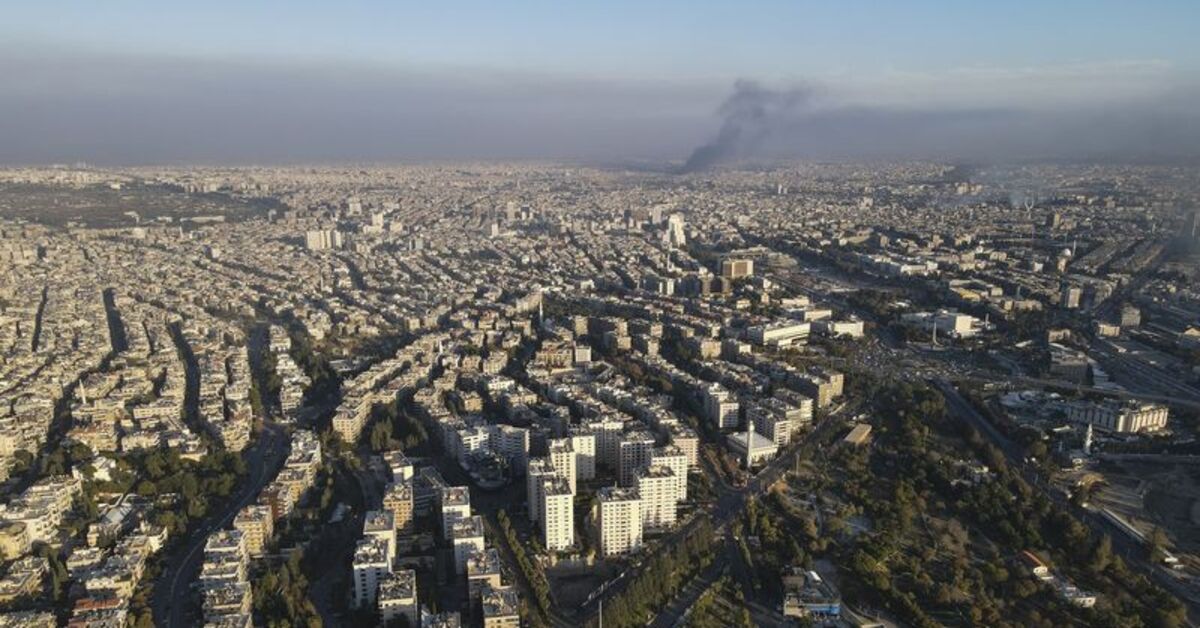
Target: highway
{"type": "Point", "coordinates": [172, 601]}
{"type": "Point", "coordinates": [1133, 552]}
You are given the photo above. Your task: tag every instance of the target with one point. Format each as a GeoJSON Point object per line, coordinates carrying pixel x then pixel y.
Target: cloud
{"type": "Point", "coordinates": [63, 106]}
{"type": "Point", "coordinates": [122, 110]}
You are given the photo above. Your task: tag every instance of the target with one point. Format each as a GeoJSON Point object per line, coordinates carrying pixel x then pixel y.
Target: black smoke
{"type": "Point", "coordinates": [750, 115]}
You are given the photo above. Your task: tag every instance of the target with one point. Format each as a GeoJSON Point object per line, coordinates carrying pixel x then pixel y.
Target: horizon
{"type": "Point", "coordinates": [366, 81]}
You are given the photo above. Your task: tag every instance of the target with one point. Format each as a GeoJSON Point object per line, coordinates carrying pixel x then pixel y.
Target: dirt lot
{"type": "Point", "coordinates": [101, 206]}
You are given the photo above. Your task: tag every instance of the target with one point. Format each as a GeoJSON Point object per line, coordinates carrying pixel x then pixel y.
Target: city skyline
{"type": "Point", "coordinates": [678, 314]}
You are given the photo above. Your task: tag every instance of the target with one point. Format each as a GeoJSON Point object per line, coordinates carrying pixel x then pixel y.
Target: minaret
{"type": "Point", "coordinates": [1087, 440]}
{"type": "Point", "coordinates": [749, 442]}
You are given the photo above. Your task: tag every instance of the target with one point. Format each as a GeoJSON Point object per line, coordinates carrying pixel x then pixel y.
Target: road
{"type": "Point", "coordinates": [1145, 375]}
{"type": "Point", "coordinates": [1134, 553]}
{"type": "Point", "coordinates": [172, 599]}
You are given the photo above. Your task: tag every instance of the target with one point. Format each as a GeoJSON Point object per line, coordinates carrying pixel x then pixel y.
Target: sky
{"type": "Point", "coordinates": [129, 82]}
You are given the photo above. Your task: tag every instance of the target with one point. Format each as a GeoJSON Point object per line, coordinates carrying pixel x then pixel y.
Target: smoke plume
{"type": "Point", "coordinates": [750, 115]}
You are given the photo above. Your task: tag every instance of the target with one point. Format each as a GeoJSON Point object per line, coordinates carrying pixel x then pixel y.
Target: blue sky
{"type": "Point", "coordinates": [133, 80]}
{"type": "Point", "coordinates": [621, 38]}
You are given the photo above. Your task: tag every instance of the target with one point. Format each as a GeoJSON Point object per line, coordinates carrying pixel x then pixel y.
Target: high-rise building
{"type": "Point", "coordinates": [1131, 316]}
{"type": "Point", "coordinates": [1070, 297]}
{"type": "Point", "coordinates": [371, 564]}
{"type": "Point", "coordinates": [467, 536]}
{"type": "Point", "coordinates": [608, 430]}
{"type": "Point", "coordinates": [397, 597]}
{"type": "Point", "coordinates": [257, 524]}
{"type": "Point", "coordinates": [510, 443]}
{"type": "Point", "coordinates": [381, 524]}
{"type": "Point", "coordinates": [583, 443]}
{"type": "Point", "coordinates": [674, 235]}
{"type": "Point", "coordinates": [398, 500]}
{"type": "Point", "coordinates": [483, 570]}
{"type": "Point", "coordinates": [400, 467]}
{"type": "Point", "coordinates": [822, 385]}
{"type": "Point", "coordinates": [720, 407]}
{"type": "Point", "coordinates": [226, 592]}
{"type": "Point", "coordinates": [672, 457]}
{"type": "Point", "coordinates": [619, 519]}
{"type": "Point", "coordinates": [776, 419]}
{"type": "Point", "coordinates": [736, 268]}
{"type": "Point", "coordinates": [686, 439]}
{"type": "Point", "coordinates": [323, 239]}
{"type": "Point", "coordinates": [635, 450]}
{"type": "Point", "coordinates": [456, 504]}
{"type": "Point", "coordinates": [659, 490]}
{"type": "Point", "coordinates": [558, 514]}
{"type": "Point", "coordinates": [499, 607]}
{"type": "Point", "coordinates": [539, 469]}
{"type": "Point", "coordinates": [562, 459]}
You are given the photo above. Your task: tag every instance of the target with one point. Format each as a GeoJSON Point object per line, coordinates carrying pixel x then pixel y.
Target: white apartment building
{"type": "Point", "coordinates": [562, 458]}
{"type": "Point", "coordinates": [608, 431]}
{"type": "Point", "coordinates": [619, 520]}
{"type": "Point", "coordinates": [539, 470]}
{"type": "Point", "coordinates": [583, 443]}
{"type": "Point", "coordinates": [558, 514]}
{"type": "Point", "coordinates": [371, 565]}
{"type": "Point", "coordinates": [720, 408]}
{"type": "Point", "coordinates": [672, 457]}
{"type": "Point", "coordinates": [397, 597]}
{"type": "Point", "coordinates": [658, 489]}
{"type": "Point", "coordinates": [381, 524]}
{"type": "Point", "coordinates": [468, 539]}
{"type": "Point", "coordinates": [456, 505]}
{"type": "Point", "coordinates": [634, 451]}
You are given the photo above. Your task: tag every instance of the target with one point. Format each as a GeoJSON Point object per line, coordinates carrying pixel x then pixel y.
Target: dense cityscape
{"type": "Point", "coordinates": [622, 314]}
{"type": "Point", "coordinates": [516, 394]}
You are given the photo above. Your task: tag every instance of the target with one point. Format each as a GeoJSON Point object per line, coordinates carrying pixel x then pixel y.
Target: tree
{"type": "Point", "coordinates": [1157, 543]}
{"type": "Point", "coordinates": [1101, 556]}
{"type": "Point", "coordinates": [381, 436]}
